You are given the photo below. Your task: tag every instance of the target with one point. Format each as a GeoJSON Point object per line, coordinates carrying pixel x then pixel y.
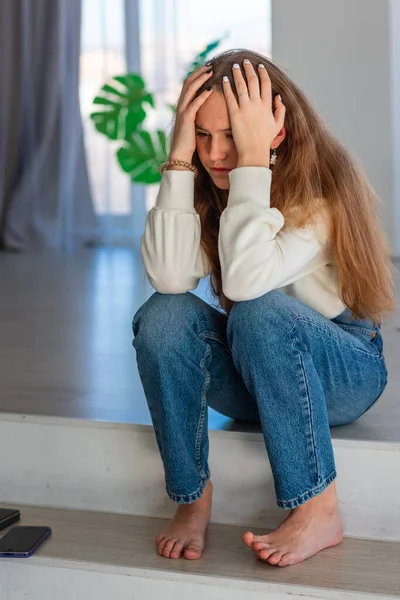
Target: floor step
{"type": "Point", "coordinates": [110, 467]}
{"type": "Point", "coordinates": [113, 556]}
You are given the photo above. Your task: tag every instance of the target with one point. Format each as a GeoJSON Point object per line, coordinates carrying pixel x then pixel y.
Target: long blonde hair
{"type": "Point", "coordinates": [311, 165]}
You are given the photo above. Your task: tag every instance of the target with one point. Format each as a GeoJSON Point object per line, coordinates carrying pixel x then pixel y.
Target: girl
{"type": "Point", "coordinates": [258, 193]}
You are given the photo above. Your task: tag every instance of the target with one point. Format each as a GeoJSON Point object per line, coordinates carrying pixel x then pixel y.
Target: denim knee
{"type": "Point", "coordinates": [158, 322]}
{"type": "Point", "coordinates": [269, 315]}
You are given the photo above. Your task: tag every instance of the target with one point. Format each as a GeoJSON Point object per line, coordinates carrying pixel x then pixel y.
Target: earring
{"type": "Point", "coordinates": [273, 158]}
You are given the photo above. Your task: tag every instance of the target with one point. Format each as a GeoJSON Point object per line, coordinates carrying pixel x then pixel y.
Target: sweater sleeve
{"type": "Point", "coordinates": [256, 256]}
{"type": "Point", "coordinates": [171, 251]}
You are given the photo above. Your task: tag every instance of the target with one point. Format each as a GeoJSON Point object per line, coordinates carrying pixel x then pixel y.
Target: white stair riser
{"type": "Point", "coordinates": [46, 580]}
{"type": "Point", "coordinates": [116, 468]}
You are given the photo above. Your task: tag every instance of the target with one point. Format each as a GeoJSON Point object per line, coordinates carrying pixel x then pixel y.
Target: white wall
{"type": "Point", "coordinates": [340, 54]}
{"type": "Point", "coordinates": [395, 71]}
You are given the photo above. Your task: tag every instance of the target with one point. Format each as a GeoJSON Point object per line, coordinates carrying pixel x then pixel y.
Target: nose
{"type": "Point", "coordinates": [218, 149]}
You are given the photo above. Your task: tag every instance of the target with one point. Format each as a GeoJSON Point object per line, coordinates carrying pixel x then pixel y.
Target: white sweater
{"type": "Point", "coordinates": [256, 256]}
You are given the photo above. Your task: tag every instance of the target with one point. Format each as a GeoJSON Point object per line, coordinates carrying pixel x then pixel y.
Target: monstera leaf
{"type": "Point", "coordinates": [122, 106]}
{"type": "Point", "coordinates": [201, 58]}
{"type": "Point", "coordinates": [142, 156]}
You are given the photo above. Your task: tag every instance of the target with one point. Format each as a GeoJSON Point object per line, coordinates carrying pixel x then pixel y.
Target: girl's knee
{"type": "Point", "coordinates": [162, 315]}
{"type": "Point", "coordinates": [255, 316]}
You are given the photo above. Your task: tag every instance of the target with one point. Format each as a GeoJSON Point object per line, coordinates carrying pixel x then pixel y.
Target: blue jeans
{"type": "Point", "coordinates": [273, 360]}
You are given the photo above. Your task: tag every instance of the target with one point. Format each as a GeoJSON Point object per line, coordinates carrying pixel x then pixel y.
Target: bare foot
{"type": "Point", "coordinates": [187, 529]}
{"type": "Point", "coordinates": [307, 530]}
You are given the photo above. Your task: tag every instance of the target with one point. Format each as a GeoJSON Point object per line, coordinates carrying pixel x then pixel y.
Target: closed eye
{"type": "Point", "coordinates": [203, 134]}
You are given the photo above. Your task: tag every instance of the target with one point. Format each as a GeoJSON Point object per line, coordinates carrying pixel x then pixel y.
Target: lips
{"type": "Point", "coordinates": [220, 170]}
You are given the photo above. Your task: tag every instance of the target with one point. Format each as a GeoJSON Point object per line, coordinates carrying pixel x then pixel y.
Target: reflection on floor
{"type": "Point", "coordinates": [65, 345]}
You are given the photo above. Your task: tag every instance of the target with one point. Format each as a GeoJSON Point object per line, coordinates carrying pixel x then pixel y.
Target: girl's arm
{"type": "Point", "coordinates": [256, 256]}
{"type": "Point", "coordinates": [171, 251]}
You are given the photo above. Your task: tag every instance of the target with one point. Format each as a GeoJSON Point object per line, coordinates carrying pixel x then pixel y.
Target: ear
{"type": "Point", "coordinates": [279, 138]}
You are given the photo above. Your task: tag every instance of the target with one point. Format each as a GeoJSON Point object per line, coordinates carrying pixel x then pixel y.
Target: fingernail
{"type": "Point", "coordinates": [236, 66]}
{"type": "Point", "coordinates": [209, 63]}
{"type": "Point", "coordinates": [280, 98]}
{"type": "Point", "coordinates": [261, 66]}
{"type": "Point", "coordinates": [225, 79]}
{"type": "Point", "coordinates": [246, 61]}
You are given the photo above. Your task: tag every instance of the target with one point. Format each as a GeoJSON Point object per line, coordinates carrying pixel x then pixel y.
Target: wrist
{"type": "Point", "coordinates": [185, 156]}
{"type": "Point", "coordinates": [178, 165]}
{"type": "Point", "coordinates": [179, 157]}
{"type": "Point", "coordinates": [176, 168]}
{"type": "Point", "coordinates": [253, 161]}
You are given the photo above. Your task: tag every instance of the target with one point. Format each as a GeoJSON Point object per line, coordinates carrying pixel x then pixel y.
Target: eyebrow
{"type": "Point", "coordinates": [223, 130]}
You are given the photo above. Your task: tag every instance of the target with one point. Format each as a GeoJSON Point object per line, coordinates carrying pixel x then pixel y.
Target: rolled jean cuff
{"type": "Point", "coordinates": [190, 498]}
{"type": "Point", "coordinates": [303, 498]}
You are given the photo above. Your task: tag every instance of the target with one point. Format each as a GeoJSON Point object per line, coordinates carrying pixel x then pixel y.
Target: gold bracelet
{"type": "Point", "coordinates": [178, 163]}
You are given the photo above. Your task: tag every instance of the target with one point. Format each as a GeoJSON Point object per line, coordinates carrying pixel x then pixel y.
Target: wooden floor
{"type": "Point", "coordinates": [106, 541]}
{"type": "Point", "coordinates": [65, 344]}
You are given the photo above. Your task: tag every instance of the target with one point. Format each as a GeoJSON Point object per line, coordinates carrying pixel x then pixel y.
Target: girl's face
{"type": "Point", "coordinates": [214, 141]}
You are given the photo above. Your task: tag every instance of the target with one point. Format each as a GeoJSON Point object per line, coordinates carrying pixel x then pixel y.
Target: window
{"type": "Point", "coordinates": [103, 55]}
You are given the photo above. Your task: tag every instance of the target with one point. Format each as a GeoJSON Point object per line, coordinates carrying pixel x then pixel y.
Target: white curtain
{"type": "Point", "coordinates": [45, 196]}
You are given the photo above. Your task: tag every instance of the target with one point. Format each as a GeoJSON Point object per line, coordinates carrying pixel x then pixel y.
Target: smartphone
{"type": "Point", "coordinates": [21, 542]}
{"type": "Point", "coordinates": [8, 516]}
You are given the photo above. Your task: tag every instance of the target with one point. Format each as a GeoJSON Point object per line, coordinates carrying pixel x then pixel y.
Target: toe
{"type": "Point", "coordinates": [264, 539]}
{"type": "Point", "coordinates": [193, 552]}
{"type": "Point", "coordinates": [177, 549]}
{"type": "Point", "coordinates": [260, 546]}
{"type": "Point", "coordinates": [161, 544]}
{"type": "Point", "coordinates": [283, 562]}
{"type": "Point", "coordinates": [168, 547]}
{"type": "Point", "coordinates": [288, 559]}
{"type": "Point", "coordinates": [159, 538]}
{"type": "Point", "coordinates": [274, 558]}
{"type": "Point", "coordinates": [265, 554]}
{"type": "Point", "coordinates": [248, 538]}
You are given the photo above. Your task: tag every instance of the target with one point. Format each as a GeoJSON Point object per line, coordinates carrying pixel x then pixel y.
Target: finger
{"type": "Point", "coordinates": [266, 88]}
{"type": "Point", "coordinates": [253, 83]}
{"type": "Point", "coordinates": [198, 81]}
{"type": "Point", "coordinates": [197, 73]}
{"type": "Point", "coordinates": [241, 85]}
{"type": "Point", "coordinates": [189, 93]}
{"type": "Point", "coordinates": [199, 101]}
{"type": "Point", "coordinates": [229, 95]}
{"type": "Point", "coordinates": [279, 112]}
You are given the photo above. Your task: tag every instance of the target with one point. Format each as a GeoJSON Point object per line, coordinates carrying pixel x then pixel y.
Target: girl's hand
{"type": "Point", "coordinates": [254, 125]}
{"type": "Point", "coordinates": [184, 140]}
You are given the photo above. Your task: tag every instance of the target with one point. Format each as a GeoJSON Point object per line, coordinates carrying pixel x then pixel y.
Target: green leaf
{"type": "Point", "coordinates": [201, 58]}
{"type": "Point", "coordinates": [123, 100]}
{"type": "Point", "coordinates": [172, 107]}
{"type": "Point", "coordinates": [142, 156]}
